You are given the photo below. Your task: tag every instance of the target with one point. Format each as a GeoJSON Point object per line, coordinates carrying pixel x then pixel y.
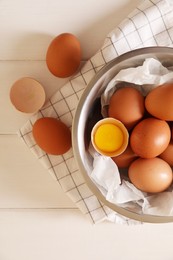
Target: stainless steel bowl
{"type": "Point", "coordinates": [87, 110]}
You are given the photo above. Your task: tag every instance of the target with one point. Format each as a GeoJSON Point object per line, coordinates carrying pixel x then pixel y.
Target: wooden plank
{"type": "Point", "coordinates": [66, 234]}
{"type": "Point", "coordinates": [27, 27]}
{"type": "Point", "coordinates": [24, 183]}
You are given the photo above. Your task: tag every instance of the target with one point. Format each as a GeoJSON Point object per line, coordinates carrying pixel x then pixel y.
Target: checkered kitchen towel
{"type": "Point", "coordinates": [150, 24]}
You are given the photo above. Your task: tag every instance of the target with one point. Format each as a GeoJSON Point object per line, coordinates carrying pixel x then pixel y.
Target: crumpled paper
{"type": "Point", "coordinates": [105, 173]}
{"type": "Point", "coordinates": [151, 74]}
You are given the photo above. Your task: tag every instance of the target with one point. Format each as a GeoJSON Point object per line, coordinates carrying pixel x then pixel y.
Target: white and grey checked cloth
{"type": "Point", "coordinates": [150, 24]}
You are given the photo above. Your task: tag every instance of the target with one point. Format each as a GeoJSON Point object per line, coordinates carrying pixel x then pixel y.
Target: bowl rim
{"type": "Point", "coordinates": [75, 133]}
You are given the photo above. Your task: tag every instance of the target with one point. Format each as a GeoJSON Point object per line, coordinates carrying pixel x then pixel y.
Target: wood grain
{"type": "Point", "coordinates": [37, 220]}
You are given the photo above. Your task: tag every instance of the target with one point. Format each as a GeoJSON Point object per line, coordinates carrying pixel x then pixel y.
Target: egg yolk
{"type": "Point", "coordinates": [108, 137]}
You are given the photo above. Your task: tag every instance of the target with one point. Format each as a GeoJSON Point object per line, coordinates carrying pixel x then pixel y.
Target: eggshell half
{"type": "Point", "coordinates": [117, 123]}
{"type": "Point", "coordinates": [27, 95]}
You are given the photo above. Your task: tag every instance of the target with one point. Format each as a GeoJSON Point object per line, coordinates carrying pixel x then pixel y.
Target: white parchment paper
{"type": "Point", "coordinates": [106, 174]}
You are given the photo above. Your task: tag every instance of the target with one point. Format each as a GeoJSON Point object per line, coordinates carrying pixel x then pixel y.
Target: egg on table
{"type": "Point", "coordinates": [52, 135]}
{"type": "Point", "coordinates": [64, 55]}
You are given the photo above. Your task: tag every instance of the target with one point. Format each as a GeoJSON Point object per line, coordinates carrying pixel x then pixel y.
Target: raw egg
{"type": "Point", "coordinates": [150, 137]}
{"type": "Point", "coordinates": [159, 103]}
{"type": "Point", "coordinates": [64, 55]}
{"type": "Point", "coordinates": [52, 135]}
{"type": "Point", "coordinates": [109, 137]}
{"type": "Point", "coordinates": [127, 105]}
{"type": "Point", "coordinates": [126, 158]}
{"type": "Point", "coordinates": [150, 175]}
{"type": "Point", "coordinates": [113, 136]}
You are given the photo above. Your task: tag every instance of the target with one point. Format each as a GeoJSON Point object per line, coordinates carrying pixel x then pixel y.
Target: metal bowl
{"type": "Point", "coordinates": [87, 114]}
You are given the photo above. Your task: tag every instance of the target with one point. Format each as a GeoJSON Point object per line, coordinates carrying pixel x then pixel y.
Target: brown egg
{"type": "Point", "coordinates": [150, 175]}
{"type": "Point", "coordinates": [150, 137]}
{"type": "Point", "coordinates": [167, 155]}
{"type": "Point", "coordinates": [64, 55]}
{"type": "Point", "coordinates": [127, 105]}
{"type": "Point", "coordinates": [125, 159]}
{"type": "Point", "coordinates": [52, 135]}
{"type": "Point", "coordinates": [159, 102]}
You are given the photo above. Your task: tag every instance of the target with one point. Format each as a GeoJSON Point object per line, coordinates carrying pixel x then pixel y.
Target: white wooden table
{"type": "Point", "coordinates": [37, 220]}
